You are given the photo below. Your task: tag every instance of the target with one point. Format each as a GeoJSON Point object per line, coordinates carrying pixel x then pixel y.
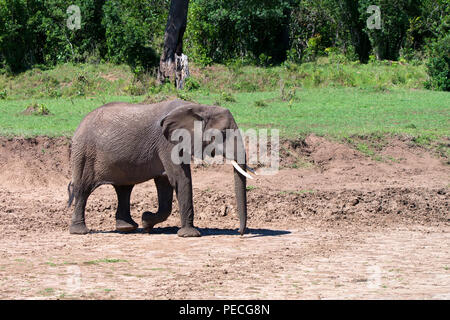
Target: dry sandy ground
{"type": "Point", "coordinates": [342, 226]}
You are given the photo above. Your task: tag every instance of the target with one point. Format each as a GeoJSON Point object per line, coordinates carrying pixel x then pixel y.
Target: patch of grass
{"type": "Point", "coordinates": [158, 269]}
{"type": "Point", "coordinates": [338, 112]}
{"type": "Point", "coordinates": [332, 112]}
{"type": "Point", "coordinates": [47, 292]}
{"type": "Point", "coordinates": [423, 140]}
{"type": "Point", "coordinates": [51, 264]}
{"type": "Point", "coordinates": [439, 144]}
{"type": "Point", "coordinates": [260, 104]}
{"type": "Point", "coordinates": [392, 159]}
{"type": "Point", "coordinates": [288, 94]}
{"type": "Point", "coordinates": [300, 163]}
{"type": "Point", "coordinates": [159, 97]}
{"type": "Point", "coordinates": [251, 188]}
{"type": "Point", "coordinates": [186, 96]}
{"type": "Point", "coordinates": [69, 80]}
{"type": "Point", "coordinates": [104, 261]}
{"type": "Point", "coordinates": [36, 109]}
{"type": "Point", "coordinates": [3, 94]}
{"type": "Point", "coordinates": [66, 115]}
{"type": "Point", "coordinates": [72, 80]}
{"type": "Point", "coordinates": [191, 84]}
{"type": "Point", "coordinates": [224, 98]}
{"type": "Point", "coordinates": [364, 149]}
{"type": "Point", "coordinates": [228, 97]}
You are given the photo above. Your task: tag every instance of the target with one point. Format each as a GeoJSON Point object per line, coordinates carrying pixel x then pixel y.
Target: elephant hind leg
{"type": "Point", "coordinates": [124, 222]}
{"type": "Point", "coordinates": [79, 190]}
{"type": "Point", "coordinates": [78, 224]}
{"type": "Point", "coordinates": [165, 197]}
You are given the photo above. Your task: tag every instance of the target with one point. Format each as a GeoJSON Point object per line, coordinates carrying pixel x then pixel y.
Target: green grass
{"type": "Point", "coordinates": [333, 112]}
{"type": "Point", "coordinates": [104, 261]}
{"type": "Point", "coordinates": [65, 115]}
{"type": "Point", "coordinates": [47, 292]}
{"type": "Point", "coordinates": [337, 100]}
{"type": "Point", "coordinates": [344, 112]}
{"type": "Point", "coordinates": [68, 80]}
{"type": "Point", "coordinates": [90, 80]}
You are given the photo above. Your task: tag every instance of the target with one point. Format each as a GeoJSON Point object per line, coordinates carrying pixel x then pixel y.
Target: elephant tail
{"type": "Point", "coordinates": [71, 194]}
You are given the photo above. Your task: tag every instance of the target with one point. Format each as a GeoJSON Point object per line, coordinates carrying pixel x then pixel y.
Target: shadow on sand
{"type": "Point", "coordinates": [250, 233]}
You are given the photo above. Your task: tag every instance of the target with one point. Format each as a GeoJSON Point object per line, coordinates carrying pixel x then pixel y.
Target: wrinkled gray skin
{"type": "Point", "coordinates": [125, 144]}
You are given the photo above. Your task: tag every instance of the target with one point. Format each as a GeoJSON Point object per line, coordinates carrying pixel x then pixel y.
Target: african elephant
{"type": "Point", "coordinates": [126, 144]}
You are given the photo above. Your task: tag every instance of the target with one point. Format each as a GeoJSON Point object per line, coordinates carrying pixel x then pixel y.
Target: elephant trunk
{"type": "Point", "coordinates": [240, 180]}
{"type": "Point", "coordinates": [240, 189]}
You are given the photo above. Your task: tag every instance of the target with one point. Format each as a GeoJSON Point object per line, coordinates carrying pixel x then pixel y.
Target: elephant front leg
{"type": "Point", "coordinates": [183, 190]}
{"type": "Point", "coordinates": [165, 198]}
{"type": "Point", "coordinates": [124, 222]}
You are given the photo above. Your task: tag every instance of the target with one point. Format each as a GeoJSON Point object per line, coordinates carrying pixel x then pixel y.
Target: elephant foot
{"type": "Point", "coordinates": [78, 228]}
{"type": "Point", "coordinates": [149, 219]}
{"type": "Point", "coordinates": [188, 232]}
{"type": "Point", "coordinates": [126, 226]}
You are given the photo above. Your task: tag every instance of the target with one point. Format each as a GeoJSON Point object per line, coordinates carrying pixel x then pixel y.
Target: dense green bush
{"type": "Point", "coordinates": [35, 32]}
{"type": "Point", "coordinates": [427, 26]}
{"type": "Point", "coordinates": [18, 45]}
{"type": "Point", "coordinates": [134, 31]}
{"type": "Point", "coordinates": [223, 30]}
{"type": "Point", "coordinates": [388, 40]}
{"type": "Point", "coordinates": [439, 65]}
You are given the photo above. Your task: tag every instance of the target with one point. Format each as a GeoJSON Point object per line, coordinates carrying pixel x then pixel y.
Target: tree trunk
{"type": "Point", "coordinates": [359, 37]}
{"type": "Point", "coordinates": [169, 69]}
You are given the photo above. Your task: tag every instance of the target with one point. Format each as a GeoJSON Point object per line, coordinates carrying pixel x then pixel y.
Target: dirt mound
{"type": "Point", "coordinates": [338, 185]}
{"type": "Point", "coordinates": [33, 162]}
{"type": "Point", "coordinates": [317, 151]}
{"type": "Point", "coordinates": [326, 153]}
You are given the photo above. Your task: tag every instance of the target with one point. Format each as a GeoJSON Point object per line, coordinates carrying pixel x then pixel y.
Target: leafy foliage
{"type": "Point", "coordinates": [35, 32]}
{"type": "Point", "coordinates": [223, 30]}
{"type": "Point", "coordinates": [134, 30]}
{"type": "Point", "coordinates": [439, 65]}
{"type": "Point", "coordinates": [388, 40]}
{"type": "Point", "coordinates": [439, 51]}
{"type": "Point", "coordinates": [234, 32]}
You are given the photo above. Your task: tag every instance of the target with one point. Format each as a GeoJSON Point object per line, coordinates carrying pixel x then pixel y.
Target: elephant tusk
{"type": "Point", "coordinates": [240, 170]}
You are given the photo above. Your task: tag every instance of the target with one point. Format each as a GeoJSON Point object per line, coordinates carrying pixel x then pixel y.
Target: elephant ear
{"type": "Point", "coordinates": [181, 118]}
